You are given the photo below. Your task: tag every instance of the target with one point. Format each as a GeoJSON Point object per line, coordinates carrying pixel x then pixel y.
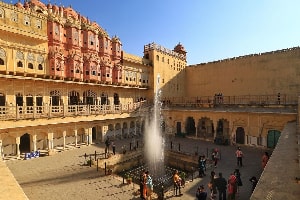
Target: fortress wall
{"type": "Point", "coordinates": [264, 74]}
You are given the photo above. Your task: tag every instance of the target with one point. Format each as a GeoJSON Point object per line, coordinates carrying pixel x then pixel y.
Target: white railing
{"type": "Point", "coordinates": [35, 112]}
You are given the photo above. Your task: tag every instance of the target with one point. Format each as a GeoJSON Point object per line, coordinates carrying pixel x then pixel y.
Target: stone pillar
{"type": "Point", "coordinates": [64, 139]}
{"type": "Point", "coordinates": [75, 133]}
{"type": "Point", "coordinates": [50, 141]}
{"type": "Point", "coordinates": [90, 132]}
{"type": "Point", "coordinates": [86, 133]}
{"type": "Point", "coordinates": [34, 142]}
{"type": "Point", "coordinates": [18, 146]}
{"type": "Point", "coordinates": [104, 132]}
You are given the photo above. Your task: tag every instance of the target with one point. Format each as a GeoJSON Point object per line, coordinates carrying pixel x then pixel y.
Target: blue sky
{"type": "Point", "coordinates": [209, 29]}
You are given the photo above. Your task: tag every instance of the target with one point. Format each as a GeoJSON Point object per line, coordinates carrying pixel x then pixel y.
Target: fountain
{"type": "Point", "coordinates": [154, 142]}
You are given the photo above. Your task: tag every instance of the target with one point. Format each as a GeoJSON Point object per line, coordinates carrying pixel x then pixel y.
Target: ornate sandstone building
{"type": "Point", "coordinates": [64, 81]}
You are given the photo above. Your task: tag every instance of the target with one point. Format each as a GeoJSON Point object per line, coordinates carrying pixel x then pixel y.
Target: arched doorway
{"type": "Point", "coordinates": [240, 135]}
{"type": "Point", "coordinates": [190, 126]}
{"type": "Point", "coordinates": [222, 136]}
{"type": "Point", "coordinates": [205, 128]}
{"type": "Point", "coordinates": [272, 138]}
{"type": "Point", "coordinates": [178, 128]}
{"type": "Point", "coordinates": [94, 133]}
{"type": "Point", "coordinates": [25, 143]}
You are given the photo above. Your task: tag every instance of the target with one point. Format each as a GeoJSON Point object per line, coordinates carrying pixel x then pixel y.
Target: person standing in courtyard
{"type": "Point", "coordinates": [212, 185]}
{"type": "Point", "coordinates": [238, 179]}
{"type": "Point", "coordinates": [201, 166]}
{"type": "Point", "coordinates": [215, 157]}
{"type": "Point", "coordinates": [142, 183]}
{"type": "Point", "coordinates": [254, 182]}
{"type": "Point", "coordinates": [201, 194]}
{"type": "Point", "coordinates": [107, 144]}
{"type": "Point", "coordinates": [265, 159]}
{"type": "Point", "coordinates": [113, 148]}
{"type": "Point", "coordinates": [231, 187]}
{"type": "Point", "coordinates": [239, 156]}
{"type": "Point", "coordinates": [177, 183]}
{"type": "Point", "coordinates": [149, 186]}
{"type": "Point", "coordinates": [221, 185]}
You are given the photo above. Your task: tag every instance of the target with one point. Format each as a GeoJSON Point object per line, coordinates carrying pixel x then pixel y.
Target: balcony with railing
{"type": "Point", "coordinates": [221, 102]}
{"type": "Point", "coordinates": [49, 111]}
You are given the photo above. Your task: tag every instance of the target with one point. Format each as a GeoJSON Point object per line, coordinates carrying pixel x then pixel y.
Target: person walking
{"type": "Point", "coordinates": [221, 185]}
{"type": "Point", "coordinates": [231, 187]}
{"type": "Point", "coordinates": [238, 179]}
{"type": "Point", "coordinates": [201, 194]}
{"type": "Point", "coordinates": [265, 158]}
{"type": "Point", "coordinates": [239, 156]}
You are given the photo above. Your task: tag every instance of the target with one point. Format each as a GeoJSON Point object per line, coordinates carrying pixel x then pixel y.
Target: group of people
{"type": "Point", "coordinates": [219, 185]}
{"type": "Point", "coordinates": [109, 143]}
{"type": "Point", "coordinates": [146, 186]}
{"type": "Point", "coordinates": [227, 189]}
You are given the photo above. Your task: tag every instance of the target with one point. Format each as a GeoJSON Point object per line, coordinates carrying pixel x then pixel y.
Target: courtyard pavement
{"type": "Point", "coordinates": [63, 176]}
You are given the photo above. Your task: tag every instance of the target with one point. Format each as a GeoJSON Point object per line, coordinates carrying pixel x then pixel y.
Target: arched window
{"type": "Point", "coordinates": [20, 64]}
{"type": "Point", "coordinates": [40, 67]}
{"type": "Point", "coordinates": [30, 66]}
{"type": "Point", "coordinates": [157, 57]}
{"type": "Point", "coordinates": [1, 61]}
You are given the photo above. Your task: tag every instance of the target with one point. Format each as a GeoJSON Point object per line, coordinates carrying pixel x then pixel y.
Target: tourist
{"type": "Point", "coordinates": [107, 144]}
{"type": "Point", "coordinates": [142, 183]}
{"type": "Point", "coordinates": [254, 181]}
{"type": "Point", "coordinates": [215, 156]}
{"type": "Point", "coordinates": [201, 194]}
{"type": "Point", "coordinates": [149, 186]}
{"type": "Point", "coordinates": [239, 156]}
{"type": "Point", "coordinates": [212, 185]}
{"type": "Point", "coordinates": [239, 182]}
{"type": "Point", "coordinates": [221, 185]}
{"type": "Point", "coordinates": [177, 183]}
{"type": "Point", "coordinates": [231, 187]}
{"type": "Point", "coordinates": [113, 148]}
{"type": "Point", "coordinates": [202, 166]}
{"type": "Point", "coordinates": [265, 159]}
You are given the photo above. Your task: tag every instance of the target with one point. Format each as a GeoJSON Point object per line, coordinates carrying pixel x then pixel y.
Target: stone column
{"type": "Point", "coordinates": [104, 131]}
{"type": "Point", "coordinates": [90, 132]}
{"type": "Point", "coordinates": [64, 139]}
{"type": "Point", "coordinates": [75, 133]}
{"type": "Point", "coordinates": [86, 133]}
{"type": "Point", "coordinates": [50, 141]}
{"type": "Point", "coordinates": [18, 146]}
{"type": "Point", "coordinates": [34, 142]}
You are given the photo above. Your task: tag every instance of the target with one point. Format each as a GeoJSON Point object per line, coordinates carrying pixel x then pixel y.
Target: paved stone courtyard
{"type": "Point", "coordinates": [63, 175]}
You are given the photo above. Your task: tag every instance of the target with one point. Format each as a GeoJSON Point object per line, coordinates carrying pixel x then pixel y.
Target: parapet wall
{"type": "Point", "coordinates": [279, 179]}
